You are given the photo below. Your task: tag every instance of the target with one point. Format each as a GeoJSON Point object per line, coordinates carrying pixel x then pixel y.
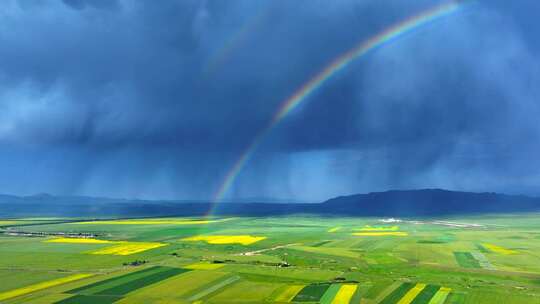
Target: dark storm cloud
{"type": "Point", "coordinates": [100, 4]}
{"type": "Point", "coordinates": [136, 98]}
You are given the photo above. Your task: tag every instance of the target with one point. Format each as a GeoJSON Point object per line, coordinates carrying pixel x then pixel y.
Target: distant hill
{"type": "Point", "coordinates": [430, 202]}
{"type": "Point", "coordinates": [427, 202]}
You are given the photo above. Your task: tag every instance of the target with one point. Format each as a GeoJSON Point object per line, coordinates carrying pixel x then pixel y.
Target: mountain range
{"type": "Point", "coordinates": [408, 203]}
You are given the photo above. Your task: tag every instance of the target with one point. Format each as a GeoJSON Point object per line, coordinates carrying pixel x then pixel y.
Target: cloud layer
{"type": "Point", "coordinates": [133, 99]}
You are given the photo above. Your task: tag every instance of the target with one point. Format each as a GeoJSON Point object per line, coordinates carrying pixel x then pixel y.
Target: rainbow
{"type": "Point", "coordinates": [338, 64]}
{"type": "Point", "coordinates": [235, 41]}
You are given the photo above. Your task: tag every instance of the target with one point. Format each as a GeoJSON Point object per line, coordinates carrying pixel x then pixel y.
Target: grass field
{"type": "Point", "coordinates": [295, 259]}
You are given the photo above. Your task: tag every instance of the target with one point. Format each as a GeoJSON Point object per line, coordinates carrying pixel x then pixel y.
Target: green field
{"type": "Point", "coordinates": [296, 259]}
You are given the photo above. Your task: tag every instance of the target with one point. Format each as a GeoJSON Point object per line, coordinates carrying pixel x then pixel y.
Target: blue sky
{"type": "Point", "coordinates": [140, 99]}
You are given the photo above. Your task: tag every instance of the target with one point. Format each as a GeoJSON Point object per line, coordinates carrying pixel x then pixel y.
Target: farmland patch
{"type": "Point", "coordinates": [289, 293]}
{"type": "Point", "coordinates": [378, 228]}
{"type": "Point", "coordinates": [441, 296]}
{"type": "Point", "coordinates": [226, 239]}
{"type": "Point", "coordinates": [466, 260]}
{"type": "Point", "coordinates": [345, 294]}
{"type": "Point", "coordinates": [180, 286]}
{"type": "Point", "coordinates": [153, 222]}
{"type": "Point", "coordinates": [130, 286]}
{"type": "Point", "coordinates": [412, 294]}
{"type": "Point", "coordinates": [311, 293]}
{"type": "Point", "coordinates": [15, 278]}
{"type": "Point", "coordinates": [482, 260]}
{"type": "Point", "coordinates": [40, 286]}
{"type": "Point", "coordinates": [498, 249]}
{"type": "Point", "coordinates": [330, 294]}
{"type": "Point", "coordinates": [128, 248]}
{"type": "Point", "coordinates": [213, 288]}
{"type": "Point", "coordinates": [89, 299]}
{"type": "Point", "coordinates": [319, 244]}
{"type": "Point", "coordinates": [328, 251]}
{"type": "Point", "coordinates": [115, 288]}
{"type": "Point", "coordinates": [381, 290]}
{"type": "Point", "coordinates": [398, 293]}
{"type": "Point", "coordinates": [117, 248]}
{"type": "Point", "coordinates": [426, 295]}
{"type": "Point", "coordinates": [244, 292]}
{"type": "Point", "coordinates": [99, 286]}
{"type": "Point", "coordinates": [430, 242]}
{"type": "Point", "coordinates": [79, 241]}
{"type": "Point", "coordinates": [394, 233]}
{"type": "Point", "coordinates": [204, 266]}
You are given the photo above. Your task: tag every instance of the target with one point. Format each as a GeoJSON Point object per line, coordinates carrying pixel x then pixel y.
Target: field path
{"type": "Point", "coordinates": [250, 253]}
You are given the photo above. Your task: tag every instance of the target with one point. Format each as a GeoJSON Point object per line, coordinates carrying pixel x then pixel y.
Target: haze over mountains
{"type": "Point", "coordinates": [426, 202]}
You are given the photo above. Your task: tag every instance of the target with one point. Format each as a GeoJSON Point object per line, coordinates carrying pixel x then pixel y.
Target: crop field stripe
{"type": "Point", "coordinates": [440, 296]}
{"type": "Point", "coordinates": [142, 282]}
{"type": "Point", "coordinates": [381, 291]}
{"type": "Point", "coordinates": [225, 239]}
{"type": "Point", "coordinates": [311, 293]}
{"type": "Point", "coordinates": [358, 295]}
{"type": "Point", "coordinates": [345, 294]}
{"type": "Point", "coordinates": [330, 294]}
{"type": "Point", "coordinates": [89, 299]}
{"type": "Point", "coordinates": [397, 294]}
{"type": "Point", "coordinates": [431, 242]}
{"type": "Point", "coordinates": [335, 229]}
{"type": "Point", "coordinates": [214, 288]}
{"type": "Point", "coordinates": [289, 293]}
{"type": "Point", "coordinates": [498, 249]}
{"type": "Point", "coordinates": [319, 244]}
{"type": "Point", "coordinates": [152, 222]}
{"type": "Point", "coordinates": [466, 260]}
{"type": "Point", "coordinates": [128, 248]}
{"type": "Point", "coordinates": [412, 294]}
{"type": "Point", "coordinates": [379, 228]}
{"type": "Point", "coordinates": [40, 286]}
{"type": "Point", "coordinates": [118, 280]}
{"type": "Point", "coordinates": [482, 260]}
{"type": "Point", "coordinates": [426, 295]}
{"type": "Point", "coordinates": [395, 233]}
{"type": "Point", "coordinates": [203, 266]}
{"type": "Point", "coordinates": [78, 241]}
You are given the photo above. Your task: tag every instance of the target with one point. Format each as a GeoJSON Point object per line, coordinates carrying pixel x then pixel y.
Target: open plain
{"type": "Point", "coordinates": [293, 259]}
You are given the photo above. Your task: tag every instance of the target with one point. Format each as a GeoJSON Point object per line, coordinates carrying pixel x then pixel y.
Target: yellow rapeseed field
{"type": "Point", "coordinates": [39, 286]}
{"type": "Point", "coordinates": [413, 293]}
{"type": "Point", "coordinates": [335, 229]}
{"type": "Point", "coordinates": [226, 239]}
{"type": "Point", "coordinates": [440, 296]}
{"type": "Point", "coordinates": [289, 293]}
{"type": "Point", "coordinates": [499, 249]}
{"type": "Point", "coordinates": [379, 228]}
{"type": "Point", "coordinates": [153, 222]}
{"type": "Point", "coordinates": [8, 222]}
{"type": "Point", "coordinates": [78, 241]}
{"type": "Point", "coordinates": [345, 293]}
{"type": "Point", "coordinates": [118, 248]}
{"type": "Point", "coordinates": [204, 266]}
{"type": "Point", "coordinates": [127, 248]}
{"type": "Point", "coordinates": [395, 233]}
